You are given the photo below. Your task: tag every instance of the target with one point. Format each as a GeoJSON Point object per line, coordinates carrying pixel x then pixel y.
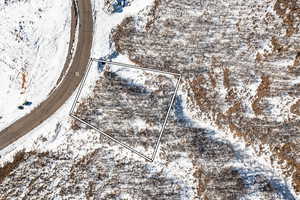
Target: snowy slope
{"type": "Point", "coordinates": [105, 23]}
{"type": "Point", "coordinates": [82, 164]}
{"type": "Point", "coordinates": [34, 38]}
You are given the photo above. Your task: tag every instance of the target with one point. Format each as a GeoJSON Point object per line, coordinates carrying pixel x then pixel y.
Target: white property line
{"type": "Point", "coordinates": [113, 139]}
{"type": "Point", "coordinates": [110, 137]}
{"type": "Point", "coordinates": [81, 86]}
{"type": "Point", "coordinates": [136, 67]}
{"type": "Point", "coordinates": [165, 122]}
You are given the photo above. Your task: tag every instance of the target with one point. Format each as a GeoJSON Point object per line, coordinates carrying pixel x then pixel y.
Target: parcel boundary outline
{"type": "Point", "coordinates": [177, 77]}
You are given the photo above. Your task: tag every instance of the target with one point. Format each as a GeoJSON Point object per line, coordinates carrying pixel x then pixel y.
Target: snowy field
{"type": "Point", "coordinates": [34, 39]}
{"type": "Point", "coordinates": [59, 137]}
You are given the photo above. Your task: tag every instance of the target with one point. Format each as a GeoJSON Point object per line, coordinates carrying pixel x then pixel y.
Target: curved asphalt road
{"type": "Point", "coordinates": [66, 88]}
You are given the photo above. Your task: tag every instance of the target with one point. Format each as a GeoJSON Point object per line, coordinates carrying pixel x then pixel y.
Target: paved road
{"type": "Point", "coordinates": [68, 85]}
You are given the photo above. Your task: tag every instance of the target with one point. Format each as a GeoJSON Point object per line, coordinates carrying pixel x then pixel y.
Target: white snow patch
{"type": "Point", "coordinates": [34, 37]}
{"type": "Point", "coordinates": [105, 23]}
{"type": "Point", "coordinates": [139, 124]}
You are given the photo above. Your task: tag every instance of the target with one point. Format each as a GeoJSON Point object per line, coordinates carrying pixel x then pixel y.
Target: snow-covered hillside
{"type": "Point", "coordinates": [199, 156]}
{"type": "Point", "coordinates": [34, 39]}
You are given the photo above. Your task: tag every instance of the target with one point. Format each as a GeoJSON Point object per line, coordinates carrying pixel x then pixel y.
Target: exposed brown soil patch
{"type": "Point", "coordinates": [297, 60]}
{"type": "Point", "coordinates": [226, 79]}
{"type": "Point", "coordinates": [277, 47]}
{"type": "Point", "coordinates": [201, 94]}
{"type": "Point", "coordinates": [24, 78]}
{"type": "Point", "coordinates": [295, 108]}
{"type": "Point", "coordinates": [236, 108]}
{"type": "Point", "coordinates": [202, 182]}
{"type": "Point", "coordinates": [8, 168]}
{"type": "Point", "coordinates": [153, 14]}
{"type": "Point", "coordinates": [262, 91]}
{"type": "Point", "coordinates": [258, 57]}
{"type": "Point", "coordinates": [289, 12]}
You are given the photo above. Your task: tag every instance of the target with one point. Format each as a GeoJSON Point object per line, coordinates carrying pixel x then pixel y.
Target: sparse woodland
{"type": "Point", "coordinates": [117, 105]}
{"type": "Point", "coordinates": [240, 62]}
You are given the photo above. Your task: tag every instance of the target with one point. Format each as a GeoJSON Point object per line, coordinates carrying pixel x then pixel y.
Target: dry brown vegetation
{"type": "Point", "coordinates": [200, 47]}
{"type": "Point", "coordinates": [201, 93]}
{"type": "Point", "coordinates": [289, 11]}
{"type": "Point", "coordinates": [116, 104]}
{"type": "Point", "coordinates": [295, 108]}
{"type": "Point", "coordinates": [9, 167]}
{"type": "Point", "coordinates": [100, 174]}
{"type": "Point", "coordinates": [236, 108]}
{"type": "Point", "coordinates": [153, 14]}
{"type": "Point", "coordinates": [262, 91]}
{"type": "Point", "coordinates": [297, 60]}
{"type": "Point", "coordinates": [249, 65]}
{"type": "Point", "coordinates": [226, 79]}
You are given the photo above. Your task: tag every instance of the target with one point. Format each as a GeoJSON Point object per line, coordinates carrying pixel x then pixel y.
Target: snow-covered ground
{"type": "Point", "coordinates": [34, 39]}
{"type": "Point", "coordinates": [56, 135]}
{"type": "Point", "coordinates": [104, 23]}
{"type": "Point", "coordinates": [247, 161]}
